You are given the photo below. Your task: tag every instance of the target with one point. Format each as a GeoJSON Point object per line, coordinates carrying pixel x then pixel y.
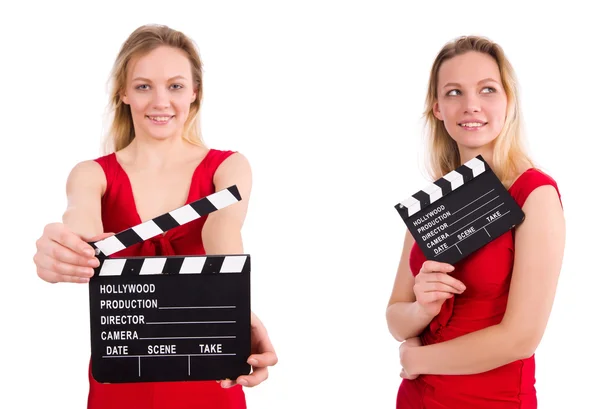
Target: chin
{"type": "Point", "coordinates": [474, 142]}
{"type": "Point", "coordinates": [160, 136]}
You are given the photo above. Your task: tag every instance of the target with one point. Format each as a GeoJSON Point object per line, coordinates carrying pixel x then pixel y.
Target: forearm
{"type": "Point", "coordinates": [82, 223]}
{"type": "Point", "coordinates": [406, 320]}
{"type": "Point", "coordinates": [473, 353]}
{"type": "Point", "coordinates": [85, 185]}
{"type": "Point", "coordinates": [220, 236]}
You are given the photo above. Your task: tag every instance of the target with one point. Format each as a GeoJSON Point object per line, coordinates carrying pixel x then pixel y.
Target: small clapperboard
{"type": "Point", "coordinates": [171, 318]}
{"type": "Point", "coordinates": [461, 212]}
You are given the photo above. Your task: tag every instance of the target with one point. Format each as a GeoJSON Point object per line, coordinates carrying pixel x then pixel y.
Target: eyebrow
{"type": "Point", "coordinates": [454, 84]}
{"type": "Point", "coordinates": [177, 77]}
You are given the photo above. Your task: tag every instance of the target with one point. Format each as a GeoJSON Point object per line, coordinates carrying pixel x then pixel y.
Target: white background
{"type": "Point", "coordinates": [325, 100]}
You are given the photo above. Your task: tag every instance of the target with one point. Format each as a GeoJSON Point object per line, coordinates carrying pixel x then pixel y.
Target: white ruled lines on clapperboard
{"type": "Point", "coordinates": [460, 212]}
{"type": "Point", "coordinates": [170, 318]}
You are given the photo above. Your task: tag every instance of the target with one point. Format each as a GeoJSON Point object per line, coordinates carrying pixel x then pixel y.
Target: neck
{"type": "Point", "coordinates": [158, 153]}
{"type": "Point", "coordinates": [466, 154]}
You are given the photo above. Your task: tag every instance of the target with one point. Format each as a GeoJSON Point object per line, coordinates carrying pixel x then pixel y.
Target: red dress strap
{"type": "Point", "coordinates": [203, 182]}
{"type": "Point", "coordinates": [528, 181]}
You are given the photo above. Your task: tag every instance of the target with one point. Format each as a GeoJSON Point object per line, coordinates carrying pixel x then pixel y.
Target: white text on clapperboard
{"type": "Point", "coordinates": [120, 319]}
{"type": "Point", "coordinates": [436, 215]}
{"type": "Point", "coordinates": [434, 220]}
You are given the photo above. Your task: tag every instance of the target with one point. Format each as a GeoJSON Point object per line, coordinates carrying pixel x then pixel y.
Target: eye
{"type": "Point", "coordinates": [177, 86]}
{"type": "Point", "coordinates": [453, 92]}
{"type": "Point", "coordinates": [140, 87]}
{"type": "Point", "coordinates": [491, 90]}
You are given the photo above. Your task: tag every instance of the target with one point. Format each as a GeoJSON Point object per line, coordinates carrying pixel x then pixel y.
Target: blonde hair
{"type": "Point", "coordinates": [142, 41]}
{"type": "Point", "coordinates": [509, 152]}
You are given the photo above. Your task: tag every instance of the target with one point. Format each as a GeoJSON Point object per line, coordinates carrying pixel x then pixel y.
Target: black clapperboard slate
{"type": "Point", "coordinates": [171, 318]}
{"type": "Point", "coordinates": [460, 213]}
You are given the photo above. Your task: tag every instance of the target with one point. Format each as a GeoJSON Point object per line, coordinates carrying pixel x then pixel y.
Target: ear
{"type": "Point", "coordinates": [194, 95]}
{"type": "Point", "coordinates": [436, 111]}
{"type": "Point", "coordinates": [124, 98]}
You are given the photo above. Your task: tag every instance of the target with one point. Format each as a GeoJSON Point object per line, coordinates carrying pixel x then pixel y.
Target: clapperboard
{"type": "Point", "coordinates": [461, 212]}
{"type": "Point", "coordinates": [172, 318]}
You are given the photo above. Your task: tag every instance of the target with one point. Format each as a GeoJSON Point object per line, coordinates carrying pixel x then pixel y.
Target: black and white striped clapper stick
{"type": "Point", "coordinates": [460, 213]}
{"type": "Point", "coordinates": [170, 318]}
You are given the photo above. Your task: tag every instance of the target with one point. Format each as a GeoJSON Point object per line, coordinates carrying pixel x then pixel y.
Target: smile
{"type": "Point", "coordinates": [160, 119]}
{"type": "Point", "coordinates": [472, 125]}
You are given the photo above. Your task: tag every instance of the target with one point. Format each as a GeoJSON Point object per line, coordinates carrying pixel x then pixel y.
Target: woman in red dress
{"type": "Point", "coordinates": [158, 163]}
{"type": "Point", "coordinates": [469, 330]}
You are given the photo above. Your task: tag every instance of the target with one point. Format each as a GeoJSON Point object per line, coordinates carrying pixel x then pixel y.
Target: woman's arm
{"type": "Point", "coordinates": [222, 231]}
{"type": "Point", "coordinates": [539, 247]}
{"type": "Point", "coordinates": [63, 254]}
{"type": "Point", "coordinates": [405, 318]}
{"type": "Point", "coordinates": [416, 300]}
{"type": "Point", "coordinates": [222, 234]}
{"type": "Point", "coordinates": [85, 186]}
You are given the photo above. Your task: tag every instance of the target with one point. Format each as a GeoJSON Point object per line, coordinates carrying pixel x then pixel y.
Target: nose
{"type": "Point", "coordinates": [472, 103]}
{"type": "Point", "coordinates": [160, 99]}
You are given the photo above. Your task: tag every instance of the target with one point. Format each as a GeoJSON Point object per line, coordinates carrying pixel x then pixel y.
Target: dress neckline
{"type": "Point", "coordinates": [130, 186]}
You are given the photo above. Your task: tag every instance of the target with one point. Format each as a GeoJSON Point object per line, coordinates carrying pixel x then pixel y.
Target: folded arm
{"type": "Point", "coordinates": [539, 247]}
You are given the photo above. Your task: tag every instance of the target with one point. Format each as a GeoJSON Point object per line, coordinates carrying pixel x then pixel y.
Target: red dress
{"type": "Point", "coordinates": [119, 213]}
{"type": "Point", "coordinates": [486, 274]}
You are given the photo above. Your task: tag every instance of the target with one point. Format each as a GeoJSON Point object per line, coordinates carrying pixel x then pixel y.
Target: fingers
{"type": "Point", "coordinates": [432, 297]}
{"type": "Point", "coordinates": [260, 372]}
{"type": "Point", "coordinates": [267, 358]}
{"type": "Point", "coordinates": [443, 284]}
{"type": "Point", "coordinates": [53, 277]}
{"type": "Point", "coordinates": [432, 266]}
{"type": "Point", "coordinates": [100, 237]}
{"type": "Point", "coordinates": [436, 274]}
{"type": "Point", "coordinates": [226, 383]}
{"type": "Point", "coordinates": [62, 256]}
{"type": "Point", "coordinates": [404, 375]}
{"type": "Point", "coordinates": [56, 265]}
{"type": "Point", "coordinates": [266, 355]}
{"type": "Point", "coordinates": [255, 378]}
{"type": "Point", "coordinates": [63, 236]}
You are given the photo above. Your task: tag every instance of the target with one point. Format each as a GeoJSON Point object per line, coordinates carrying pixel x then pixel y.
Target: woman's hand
{"type": "Point", "coordinates": [433, 286]}
{"type": "Point", "coordinates": [263, 356]}
{"type": "Point", "coordinates": [62, 256]}
{"type": "Point", "coordinates": [409, 343]}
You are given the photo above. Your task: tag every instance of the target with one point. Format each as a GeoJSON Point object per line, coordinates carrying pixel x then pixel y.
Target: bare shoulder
{"type": "Point", "coordinates": [87, 175]}
{"type": "Point", "coordinates": [543, 214]}
{"type": "Point", "coordinates": [543, 198]}
{"type": "Point", "coordinates": [234, 170]}
{"type": "Point", "coordinates": [235, 163]}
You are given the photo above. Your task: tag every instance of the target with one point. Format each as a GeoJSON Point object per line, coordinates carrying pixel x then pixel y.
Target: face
{"type": "Point", "coordinates": [159, 91]}
{"type": "Point", "coordinates": [471, 100]}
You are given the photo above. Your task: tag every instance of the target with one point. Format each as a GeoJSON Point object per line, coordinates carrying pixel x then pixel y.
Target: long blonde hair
{"type": "Point", "coordinates": [142, 41]}
{"type": "Point", "coordinates": [509, 152]}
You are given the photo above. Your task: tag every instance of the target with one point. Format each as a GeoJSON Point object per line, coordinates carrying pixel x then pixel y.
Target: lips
{"type": "Point", "coordinates": [472, 124]}
{"type": "Point", "coordinates": [160, 119]}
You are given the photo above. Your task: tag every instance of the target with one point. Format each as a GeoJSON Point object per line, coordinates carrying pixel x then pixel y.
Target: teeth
{"type": "Point", "coordinates": [471, 124]}
{"type": "Point", "coordinates": [160, 118]}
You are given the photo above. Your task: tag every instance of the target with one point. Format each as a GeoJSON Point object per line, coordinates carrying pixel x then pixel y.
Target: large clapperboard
{"type": "Point", "coordinates": [460, 213]}
{"type": "Point", "coordinates": [171, 318]}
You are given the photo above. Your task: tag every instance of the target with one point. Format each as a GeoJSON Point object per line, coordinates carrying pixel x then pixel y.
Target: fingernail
{"type": "Point", "coordinates": [253, 361]}
{"type": "Point", "coordinates": [243, 382]}
{"type": "Point", "coordinates": [93, 262]}
{"type": "Point", "coordinates": [84, 280]}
